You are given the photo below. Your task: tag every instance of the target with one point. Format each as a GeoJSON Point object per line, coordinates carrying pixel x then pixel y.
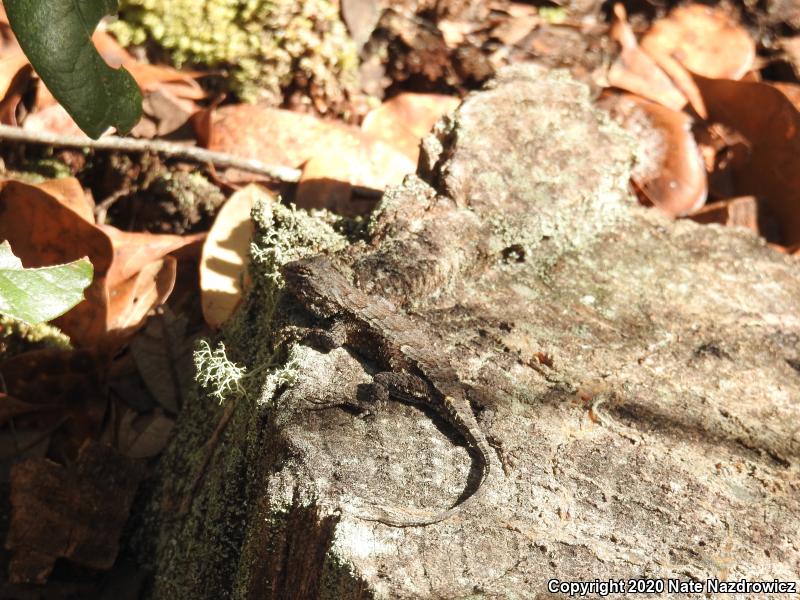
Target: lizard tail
{"type": "Point", "coordinates": [417, 518]}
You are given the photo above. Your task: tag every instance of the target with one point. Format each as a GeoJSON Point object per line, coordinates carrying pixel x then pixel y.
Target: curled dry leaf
{"type": "Point", "coordinates": [701, 39]}
{"type": "Point", "coordinates": [282, 137]}
{"type": "Point", "coordinates": [635, 71]}
{"type": "Point", "coordinates": [15, 73]}
{"type": "Point", "coordinates": [134, 250]}
{"type": "Point", "coordinates": [402, 121]}
{"type": "Point", "coordinates": [131, 272]}
{"type": "Point", "coordinates": [317, 190]}
{"type": "Point", "coordinates": [130, 300]}
{"type": "Point", "coordinates": [180, 87]}
{"type": "Point", "coordinates": [770, 124]}
{"type": "Point", "coordinates": [226, 253]}
{"type": "Point", "coordinates": [670, 170]}
{"type": "Point", "coordinates": [74, 512]}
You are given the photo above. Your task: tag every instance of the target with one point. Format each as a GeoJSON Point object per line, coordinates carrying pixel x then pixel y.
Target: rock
{"type": "Point", "coordinates": [640, 374]}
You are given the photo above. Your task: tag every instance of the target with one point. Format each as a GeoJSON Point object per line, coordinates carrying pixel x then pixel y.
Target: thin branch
{"type": "Point", "coordinates": [168, 149]}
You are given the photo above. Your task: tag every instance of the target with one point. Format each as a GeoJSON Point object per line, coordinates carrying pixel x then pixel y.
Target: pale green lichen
{"type": "Point", "coordinates": [218, 375]}
{"type": "Point", "coordinates": [266, 45]}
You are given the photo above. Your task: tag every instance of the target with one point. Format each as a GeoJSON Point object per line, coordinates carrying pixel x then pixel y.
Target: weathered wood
{"type": "Point", "coordinates": [642, 375]}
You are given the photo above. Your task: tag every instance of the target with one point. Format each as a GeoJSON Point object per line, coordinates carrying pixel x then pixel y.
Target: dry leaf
{"type": "Point", "coordinates": [131, 300]}
{"type": "Point", "coordinates": [670, 170]}
{"type": "Point", "coordinates": [64, 385]}
{"type": "Point", "coordinates": [42, 231]}
{"type": "Point", "coordinates": [790, 90]}
{"type": "Point", "coordinates": [226, 253]}
{"type": "Point", "coordinates": [402, 121]}
{"type": "Point", "coordinates": [770, 123]}
{"type": "Point", "coordinates": [703, 40]}
{"type": "Point", "coordinates": [281, 137]}
{"type": "Point", "coordinates": [317, 190]}
{"type": "Point", "coordinates": [72, 512]}
{"type": "Point", "coordinates": [15, 75]}
{"type": "Point", "coordinates": [133, 250]}
{"type": "Point", "coordinates": [635, 71]}
{"type": "Point", "coordinates": [143, 436]}
{"type": "Point", "coordinates": [11, 407]}
{"type": "Point", "coordinates": [132, 274]}
{"type": "Point", "coordinates": [163, 356]}
{"type": "Point", "coordinates": [52, 119]}
{"type": "Point", "coordinates": [68, 191]}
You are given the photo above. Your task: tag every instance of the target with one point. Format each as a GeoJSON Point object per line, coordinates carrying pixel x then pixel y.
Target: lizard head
{"type": "Point", "coordinates": [313, 283]}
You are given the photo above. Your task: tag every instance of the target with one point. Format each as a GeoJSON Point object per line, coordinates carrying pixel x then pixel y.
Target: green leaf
{"type": "Point", "coordinates": [38, 295]}
{"type": "Point", "coordinates": [56, 36]}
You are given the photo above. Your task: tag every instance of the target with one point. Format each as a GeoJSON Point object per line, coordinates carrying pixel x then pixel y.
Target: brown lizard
{"type": "Point", "coordinates": [416, 373]}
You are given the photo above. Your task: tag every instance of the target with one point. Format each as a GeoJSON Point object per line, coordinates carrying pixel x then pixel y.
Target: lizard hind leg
{"type": "Point", "coordinates": [404, 386]}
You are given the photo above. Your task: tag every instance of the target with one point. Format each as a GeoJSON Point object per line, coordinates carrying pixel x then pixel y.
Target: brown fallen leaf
{"type": "Point", "coordinates": [316, 189]}
{"type": "Point", "coordinates": [162, 352]}
{"type": "Point", "coordinates": [281, 137]}
{"type": "Point", "coordinates": [699, 39]}
{"type": "Point", "coordinates": [402, 121]}
{"type": "Point", "coordinates": [132, 270]}
{"type": "Point", "coordinates": [179, 87]}
{"type": "Point", "coordinates": [143, 436]}
{"type": "Point", "coordinates": [68, 191]}
{"type": "Point", "coordinates": [131, 300]}
{"type": "Point", "coordinates": [790, 90]}
{"type": "Point", "coordinates": [15, 75]}
{"type": "Point", "coordinates": [11, 407]}
{"type": "Point", "coordinates": [52, 119]}
{"type": "Point", "coordinates": [74, 512]}
{"type": "Point", "coordinates": [42, 231]}
{"type": "Point", "coordinates": [133, 249]}
{"type": "Point", "coordinates": [670, 170]}
{"type": "Point", "coordinates": [740, 212]}
{"type": "Point", "coordinates": [770, 124]}
{"type": "Point", "coordinates": [64, 388]}
{"type": "Point", "coordinates": [635, 71]}
{"type": "Point", "coordinates": [226, 254]}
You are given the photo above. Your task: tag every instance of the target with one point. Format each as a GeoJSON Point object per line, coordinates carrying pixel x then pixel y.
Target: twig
{"type": "Point", "coordinates": [169, 149]}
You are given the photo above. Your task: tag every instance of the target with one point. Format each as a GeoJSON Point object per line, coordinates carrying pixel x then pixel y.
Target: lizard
{"type": "Point", "coordinates": [374, 327]}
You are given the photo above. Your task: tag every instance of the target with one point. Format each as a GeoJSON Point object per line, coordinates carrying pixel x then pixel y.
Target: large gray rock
{"type": "Point", "coordinates": [641, 375]}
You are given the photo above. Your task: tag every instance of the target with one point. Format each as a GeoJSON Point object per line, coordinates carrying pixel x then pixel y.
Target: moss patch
{"type": "Point", "coordinates": [266, 45]}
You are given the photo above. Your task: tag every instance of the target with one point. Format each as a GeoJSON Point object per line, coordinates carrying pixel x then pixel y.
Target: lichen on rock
{"type": "Point", "coordinates": [267, 46]}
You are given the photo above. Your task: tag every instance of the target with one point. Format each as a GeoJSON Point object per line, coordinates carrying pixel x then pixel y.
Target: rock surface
{"type": "Point", "coordinates": [641, 375]}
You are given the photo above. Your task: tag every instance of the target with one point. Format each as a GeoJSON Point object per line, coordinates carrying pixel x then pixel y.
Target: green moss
{"type": "Point", "coordinates": [17, 337]}
{"type": "Point", "coordinates": [266, 45]}
{"type": "Point", "coordinates": [199, 553]}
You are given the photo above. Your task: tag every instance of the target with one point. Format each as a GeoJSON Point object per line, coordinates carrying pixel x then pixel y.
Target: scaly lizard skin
{"type": "Point", "coordinates": [377, 329]}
